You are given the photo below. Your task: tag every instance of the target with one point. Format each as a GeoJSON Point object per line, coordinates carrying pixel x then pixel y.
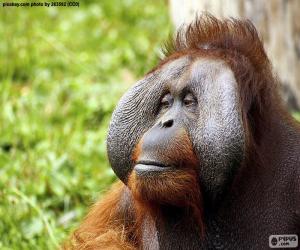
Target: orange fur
{"type": "Point", "coordinates": [105, 226]}
{"type": "Point", "coordinates": [178, 188]}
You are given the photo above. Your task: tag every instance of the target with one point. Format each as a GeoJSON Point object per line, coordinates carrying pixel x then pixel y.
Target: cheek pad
{"type": "Point", "coordinates": [134, 114]}
{"type": "Point", "coordinates": [219, 145]}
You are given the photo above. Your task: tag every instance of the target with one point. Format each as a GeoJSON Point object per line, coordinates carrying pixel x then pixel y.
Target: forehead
{"type": "Point", "coordinates": [183, 71]}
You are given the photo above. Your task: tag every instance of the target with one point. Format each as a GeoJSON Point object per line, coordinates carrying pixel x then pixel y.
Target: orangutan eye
{"type": "Point", "coordinates": [166, 101]}
{"type": "Point", "coordinates": [189, 100]}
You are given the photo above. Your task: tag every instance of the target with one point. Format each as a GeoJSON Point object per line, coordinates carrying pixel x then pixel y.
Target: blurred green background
{"type": "Point", "coordinates": [62, 71]}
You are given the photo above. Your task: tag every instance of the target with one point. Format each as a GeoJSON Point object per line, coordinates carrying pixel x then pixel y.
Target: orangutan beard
{"type": "Point", "coordinates": [177, 188]}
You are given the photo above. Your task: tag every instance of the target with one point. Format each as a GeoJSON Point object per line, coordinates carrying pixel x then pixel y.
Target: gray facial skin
{"type": "Point", "coordinates": [219, 134]}
{"type": "Point", "coordinates": [215, 128]}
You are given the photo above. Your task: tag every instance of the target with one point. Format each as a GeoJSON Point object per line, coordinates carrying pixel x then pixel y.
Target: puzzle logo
{"type": "Point", "coordinates": [283, 241]}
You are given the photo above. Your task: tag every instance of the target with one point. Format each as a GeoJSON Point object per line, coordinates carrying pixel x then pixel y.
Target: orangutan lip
{"type": "Point", "coordinates": [152, 163]}
{"type": "Point", "coordinates": [144, 167]}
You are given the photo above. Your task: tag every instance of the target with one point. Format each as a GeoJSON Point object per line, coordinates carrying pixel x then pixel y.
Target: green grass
{"type": "Point", "coordinates": [297, 116]}
{"type": "Point", "coordinates": [62, 70]}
